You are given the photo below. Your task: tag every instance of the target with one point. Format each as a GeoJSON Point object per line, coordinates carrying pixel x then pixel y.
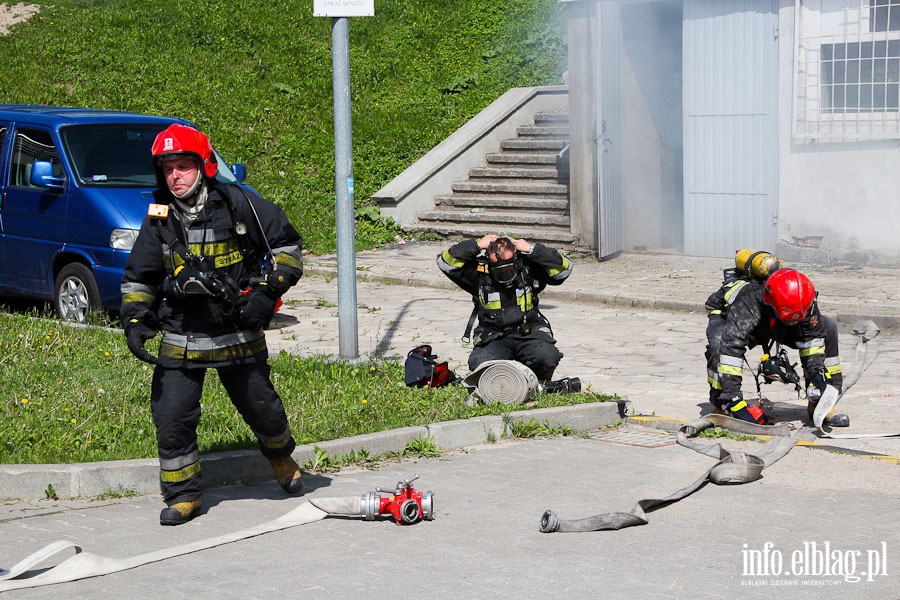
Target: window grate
{"type": "Point", "coordinates": [847, 77]}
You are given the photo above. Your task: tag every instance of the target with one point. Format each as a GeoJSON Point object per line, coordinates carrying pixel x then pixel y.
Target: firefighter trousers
{"type": "Point", "coordinates": [175, 405]}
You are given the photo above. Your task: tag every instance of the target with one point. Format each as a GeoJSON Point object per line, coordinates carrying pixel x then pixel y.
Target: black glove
{"type": "Point", "coordinates": [752, 411]}
{"type": "Point", "coordinates": [278, 283]}
{"type": "Point", "coordinates": [136, 335]}
{"type": "Point", "coordinates": [258, 310]}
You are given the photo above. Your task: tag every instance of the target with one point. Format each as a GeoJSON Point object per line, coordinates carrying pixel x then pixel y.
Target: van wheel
{"type": "Point", "coordinates": [77, 294]}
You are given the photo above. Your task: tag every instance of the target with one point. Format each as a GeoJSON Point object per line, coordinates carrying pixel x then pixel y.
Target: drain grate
{"type": "Point", "coordinates": [635, 436]}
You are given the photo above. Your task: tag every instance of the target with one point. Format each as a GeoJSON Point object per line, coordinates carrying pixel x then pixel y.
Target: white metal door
{"type": "Point", "coordinates": [730, 51]}
{"type": "Point", "coordinates": [611, 211]}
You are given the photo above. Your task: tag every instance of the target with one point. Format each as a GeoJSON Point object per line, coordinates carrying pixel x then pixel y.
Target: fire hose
{"type": "Point", "coordinates": [504, 381]}
{"type": "Point", "coordinates": [866, 351]}
{"type": "Point", "coordinates": [732, 467]}
{"type": "Point", "coordinates": [406, 506]}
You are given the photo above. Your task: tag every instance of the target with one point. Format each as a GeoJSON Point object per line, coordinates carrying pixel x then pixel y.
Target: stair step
{"type": "Point", "coordinates": [516, 173]}
{"type": "Point", "coordinates": [465, 216]}
{"type": "Point", "coordinates": [499, 187]}
{"type": "Point", "coordinates": [551, 117]}
{"type": "Point", "coordinates": [500, 202]}
{"type": "Point", "coordinates": [534, 144]}
{"type": "Point", "coordinates": [532, 235]}
{"type": "Point", "coordinates": [522, 158]}
{"type": "Point", "coordinates": [553, 131]}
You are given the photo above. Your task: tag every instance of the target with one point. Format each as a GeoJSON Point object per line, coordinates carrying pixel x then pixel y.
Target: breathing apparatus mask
{"type": "Point", "coordinates": [504, 270]}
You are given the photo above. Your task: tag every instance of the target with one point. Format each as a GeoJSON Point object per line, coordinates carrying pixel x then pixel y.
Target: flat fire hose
{"type": "Point", "coordinates": [864, 356]}
{"type": "Point", "coordinates": [732, 467]}
{"type": "Point", "coordinates": [85, 564]}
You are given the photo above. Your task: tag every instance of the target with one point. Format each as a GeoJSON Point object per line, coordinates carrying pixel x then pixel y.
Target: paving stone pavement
{"type": "Point", "coordinates": [632, 326]}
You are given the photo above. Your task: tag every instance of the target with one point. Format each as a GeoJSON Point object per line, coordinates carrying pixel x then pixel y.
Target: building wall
{"type": "Point", "coordinates": [845, 192]}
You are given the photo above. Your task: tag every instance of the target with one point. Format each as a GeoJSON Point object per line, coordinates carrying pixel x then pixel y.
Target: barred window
{"type": "Point", "coordinates": [848, 72]}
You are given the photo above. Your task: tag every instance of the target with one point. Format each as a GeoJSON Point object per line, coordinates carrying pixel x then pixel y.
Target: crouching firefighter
{"type": "Point", "coordinates": [504, 277]}
{"type": "Point", "coordinates": [780, 310]}
{"type": "Point", "coordinates": [209, 265]}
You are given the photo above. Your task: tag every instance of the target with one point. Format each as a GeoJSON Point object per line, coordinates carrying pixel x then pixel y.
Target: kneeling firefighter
{"type": "Point", "coordinates": [505, 277]}
{"type": "Point", "coordinates": [781, 310]}
{"type": "Point", "coordinates": [208, 268]}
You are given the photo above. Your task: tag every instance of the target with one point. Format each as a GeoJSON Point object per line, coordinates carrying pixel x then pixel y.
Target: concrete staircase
{"type": "Point", "coordinates": [521, 191]}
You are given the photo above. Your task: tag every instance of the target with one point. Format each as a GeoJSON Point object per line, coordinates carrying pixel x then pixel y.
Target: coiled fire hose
{"type": "Point", "coordinates": [503, 381]}
{"type": "Point", "coordinates": [406, 506]}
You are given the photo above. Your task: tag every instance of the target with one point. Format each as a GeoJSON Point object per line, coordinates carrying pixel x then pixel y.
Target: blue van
{"type": "Point", "coordinates": [74, 187]}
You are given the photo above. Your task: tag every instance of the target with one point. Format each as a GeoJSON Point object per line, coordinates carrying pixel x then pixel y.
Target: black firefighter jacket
{"type": "Point", "coordinates": [199, 331]}
{"type": "Point", "coordinates": [505, 310]}
{"type": "Point", "coordinates": [751, 322]}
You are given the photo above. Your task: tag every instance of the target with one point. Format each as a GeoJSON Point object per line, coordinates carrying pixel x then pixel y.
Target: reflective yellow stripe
{"type": "Point", "coordinates": [714, 312]}
{"type": "Point", "coordinates": [735, 287]}
{"type": "Point", "coordinates": [213, 354]}
{"type": "Point", "coordinates": [453, 262]}
{"type": "Point", "coordinates": [829, 371]}
{"type": "Point", "coordinates": [130, 297]}
{"type": "Point", "coordinates": [279, 441]}
{"type": "Point", "coordinates": [812, 351]}
{"type": "Point", "coordinates": [555, 272]}
{"type": "Point", "coordinates": [213, 248]}
{"type": "Point", "coordinates": [729, 370]}
{"type": "Point", "coordinates": [494, 305]}
{"type": "Point", "coordinates": [180, 475]}
{"type": "Point", "coordinates": [714, 383]}
{"type": "Point", "coordinates": [288, 260]}
{"type": "Point", "coordinates": [738, 406]}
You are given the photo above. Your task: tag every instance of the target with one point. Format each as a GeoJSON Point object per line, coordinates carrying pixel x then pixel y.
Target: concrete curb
{"type": "Point", "coordinates": [87, 480]}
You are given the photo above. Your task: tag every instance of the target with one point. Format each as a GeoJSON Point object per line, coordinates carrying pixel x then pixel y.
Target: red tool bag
{"type": "Point", "coordinates": [423, 369]}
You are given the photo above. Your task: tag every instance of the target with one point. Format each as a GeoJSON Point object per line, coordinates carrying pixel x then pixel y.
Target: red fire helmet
{"type": "Point", "coordinates": [790, 293]}
{"type": "Point", "coordinates": [181, 139]}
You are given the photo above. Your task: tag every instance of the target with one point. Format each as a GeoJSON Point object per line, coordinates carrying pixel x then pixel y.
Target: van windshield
{"type": "Point", "coordinates": [116, 154]}
{"type": "Point", "coordinates": [112, 154]}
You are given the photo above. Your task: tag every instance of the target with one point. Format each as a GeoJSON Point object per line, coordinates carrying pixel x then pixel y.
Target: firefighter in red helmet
{"type": "Point", "coordinates": [207, 270]}
{"type": "Point", "coordinates": [780, 309]}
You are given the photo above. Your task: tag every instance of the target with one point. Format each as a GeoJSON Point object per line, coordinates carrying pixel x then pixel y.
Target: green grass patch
{"type": "Point", "coordinates": [256, 76]}
{"type": "Point", "coordinates": [76, 394]}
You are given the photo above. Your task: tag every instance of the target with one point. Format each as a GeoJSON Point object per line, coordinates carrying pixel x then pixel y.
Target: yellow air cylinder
{"type": "Point", "coordinates": [761, 264]}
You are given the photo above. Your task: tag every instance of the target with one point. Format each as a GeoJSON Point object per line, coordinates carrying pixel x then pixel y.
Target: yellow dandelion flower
{"type": "Point", "coordinates": [72, 420]}
{"type": "Point", "coordinates": [24, 400]}
{"type": "Point", "coordinates": [106, 354]}
{"type": "Point", "coordinates": [365, 401]}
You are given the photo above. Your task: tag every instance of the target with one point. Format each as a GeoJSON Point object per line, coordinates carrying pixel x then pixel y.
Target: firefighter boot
{"type": "Point", "coordinates": [287, 472]}
{"type": "Point", "coordinates": [833, 419]}
{"type": "Point", "coordinates": [180, 512]}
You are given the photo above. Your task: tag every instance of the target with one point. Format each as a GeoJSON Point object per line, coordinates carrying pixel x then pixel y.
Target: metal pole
{"type": "Point", "coordinates": [343, 180]}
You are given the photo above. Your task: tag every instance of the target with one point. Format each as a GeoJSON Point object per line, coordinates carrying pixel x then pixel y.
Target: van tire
{"type": "Point", "coordinates": [76, 294]}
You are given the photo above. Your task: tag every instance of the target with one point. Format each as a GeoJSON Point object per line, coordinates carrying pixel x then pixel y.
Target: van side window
{"type": "Point", "coordinates": [31, 145]}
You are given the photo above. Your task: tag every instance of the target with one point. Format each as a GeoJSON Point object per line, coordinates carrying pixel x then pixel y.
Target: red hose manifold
{"type": "Point", "coordinates": [406, 506]}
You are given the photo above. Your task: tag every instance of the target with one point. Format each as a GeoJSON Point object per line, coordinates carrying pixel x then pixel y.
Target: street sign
{"type": "Point", "coordinates": [343, 8]}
